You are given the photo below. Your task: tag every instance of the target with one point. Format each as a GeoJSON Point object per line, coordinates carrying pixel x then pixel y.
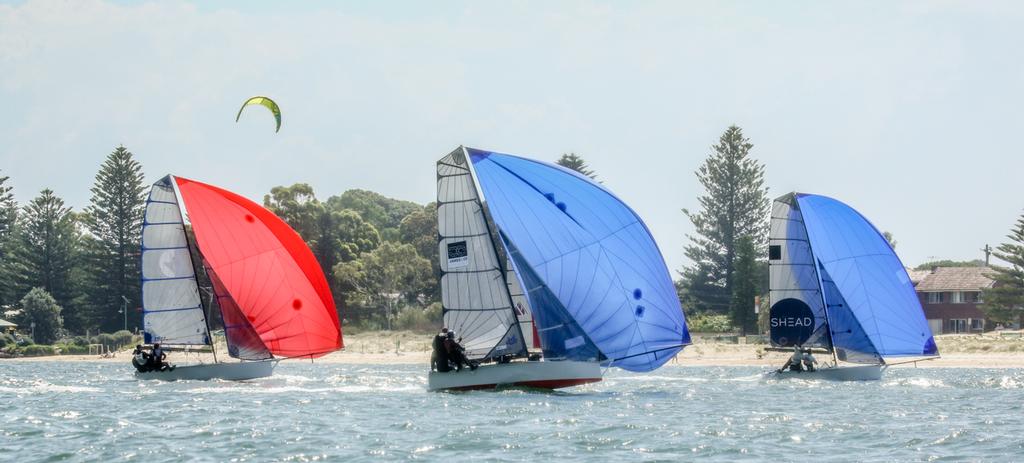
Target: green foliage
{"type": "Point", "coordinates": [419, 229]}
{"type": "Point", "coordinates": [334, 234]}
{"type": "Point", "coordinates": [39, 307]}
{"type": "Point", "coordinates": [416, 318]}
{"type": "Point", "coordinates": [36, 350]}
{"type": "Point", "coordinates": [746, 287]}
{"type": "Point", "coordinates": [709, 323]}
{"type": "Point", "coordinates": [71, 349]}
{"type": "Point", "coordinates": [950, 263]}
{"type": "Point", "coordinates": [735, 205]}
{"type": "Point", "coordinates": [385, 214]}
{"type": "Point", "coordinates": [889, 238]}
{"type": "Point", "coordinates": [110, 255]}
{"type": "Point", "coordinates": [8, 219]}
{"type": "Point", "coordinates": [390, 273]}
{"type": "Point", "coordinates": [105, 339]}
{"type": "Point", "coordinates": [1004, 302]}
{"type": "Point", "coordinates": [6, 340]}
{"type": "Point", "coordinates": [45, 253]}
{"type": "Point", "coordinates": [575, 162]}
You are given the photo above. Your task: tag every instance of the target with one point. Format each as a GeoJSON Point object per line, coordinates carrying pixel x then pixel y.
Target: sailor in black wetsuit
{"type": "Point", "coordinates": [439, 358]}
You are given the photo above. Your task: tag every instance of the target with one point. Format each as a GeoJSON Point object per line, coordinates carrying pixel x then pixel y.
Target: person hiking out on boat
{"type": "Point", "coordinates": [140, 359]}
{"type": "Point", "coordinates": [795, 362]}
{"type": "Point", "coordinates": [457, 353]}
{"type": "Point", "coordinates": [439, 356]}
{"type": "Point", "coordinates": [808, 360]}
{"type": "Point", "coordinates": [158, 356]}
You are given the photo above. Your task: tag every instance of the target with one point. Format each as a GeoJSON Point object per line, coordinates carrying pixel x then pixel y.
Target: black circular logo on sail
{"type": "Point", "coordinates": [791, 322]}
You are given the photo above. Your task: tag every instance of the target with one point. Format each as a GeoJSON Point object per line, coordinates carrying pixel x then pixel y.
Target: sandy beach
{"type": "Point", "coordinates": [406, 347]}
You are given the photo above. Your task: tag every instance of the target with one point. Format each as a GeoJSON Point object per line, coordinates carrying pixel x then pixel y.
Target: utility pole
{"type": "Point", "coordinates": [988, 252]}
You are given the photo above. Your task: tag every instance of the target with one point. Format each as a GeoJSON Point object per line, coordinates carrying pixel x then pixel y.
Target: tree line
{"type": "Point", "coordinates": [380, 254]}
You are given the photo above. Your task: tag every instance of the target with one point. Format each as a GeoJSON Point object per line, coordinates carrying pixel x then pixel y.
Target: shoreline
{"type": "Point", "coordinates": [411, 348]}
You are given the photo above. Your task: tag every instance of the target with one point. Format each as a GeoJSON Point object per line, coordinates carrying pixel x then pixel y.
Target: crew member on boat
{"type": "Point", "coordinates": [795, 362]}
{"type": "Point", "coordinates": [456, 353]}
{"type": "Point", "coordinates": [157, 357]}
{"type": "Point", "coordinates": [140, 359]}
{"type": "Point", "coordinates": [439, 357]}
{"type": "Point", "coordinates": [808, 360]}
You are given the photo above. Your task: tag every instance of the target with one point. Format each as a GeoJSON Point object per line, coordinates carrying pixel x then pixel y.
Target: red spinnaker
{"type": "Point", "coordinates": [267, 269]}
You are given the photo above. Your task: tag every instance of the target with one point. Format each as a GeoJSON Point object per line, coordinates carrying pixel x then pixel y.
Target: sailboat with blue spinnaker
{"type": "Point", "coordinates": [546, 276]}
{"type": "Point", "coordinates": [837, 286]}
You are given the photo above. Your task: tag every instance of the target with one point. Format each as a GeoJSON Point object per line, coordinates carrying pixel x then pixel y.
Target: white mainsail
{"type": "Point", "coordinates": [474, 292]}
{"type": "Point", "coordinates": [793, 276]}
{"type": "Point", "coordinates": [172, 308]}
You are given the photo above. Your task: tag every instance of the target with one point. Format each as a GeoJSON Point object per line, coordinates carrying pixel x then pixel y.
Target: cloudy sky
{"type": "Point", "coordinates": [907, 111]}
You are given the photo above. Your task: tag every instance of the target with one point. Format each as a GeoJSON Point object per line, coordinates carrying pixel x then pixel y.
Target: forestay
{"type": "Point", "coordinates": [172, 310]}
{"type": "Point", "coordinates": [474, 292]}
{"type": "Point", "coordinates": [597, 284]}
{"type": "Point", "coordinates": [871, 303]}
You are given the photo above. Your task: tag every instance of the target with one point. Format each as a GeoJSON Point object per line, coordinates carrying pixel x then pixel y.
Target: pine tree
{"type": "Point", "coordinates": [1004, 302]}
{"type": "Point", "coordinates": [8, 218]}
{"type": "Point", "coordinates": [745, 288]}
{"type": "Point", "coordinates": [45, 252]}
{"type": "Point", "coordinates": [114, 218]}
{"type": "Point", "coordinates": [735, 205]}
{"type": "Point", "coordinates": [575, 162]}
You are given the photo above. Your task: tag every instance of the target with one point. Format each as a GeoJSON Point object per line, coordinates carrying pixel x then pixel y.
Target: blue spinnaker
{"type": "Point", "coordinates": [873, 309]}
{"type": "Point", "coordinates": [592, 258]}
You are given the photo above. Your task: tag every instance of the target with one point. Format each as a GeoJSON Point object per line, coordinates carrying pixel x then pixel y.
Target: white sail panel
{"type": "Point", "coordinates": [474, 293]}
{"type": "Point", "coordinates": [171, 305]}
{"type": "Point", "coordinates": [520, 303]}
{"type": "Point", "coordinates": [797, 315]}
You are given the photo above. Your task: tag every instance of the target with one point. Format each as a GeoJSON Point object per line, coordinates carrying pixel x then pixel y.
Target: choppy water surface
{"type": "Point", "coordinates": [309, 412]}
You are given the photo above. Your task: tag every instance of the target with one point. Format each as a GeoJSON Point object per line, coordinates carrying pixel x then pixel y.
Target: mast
{"type": "Point", "coordinates": [494, 246]}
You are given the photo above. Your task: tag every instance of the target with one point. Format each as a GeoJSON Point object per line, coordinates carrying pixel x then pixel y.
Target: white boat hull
{"type": "Point", "coordinates": [545, 375]}
{"type": "Point", "coordinates": [840, 373]}
{"type": "Point", "coordinates": [228, 371]}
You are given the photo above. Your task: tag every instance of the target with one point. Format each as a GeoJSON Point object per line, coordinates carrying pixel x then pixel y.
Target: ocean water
{"type": "Point", "coordinates": [52, 411]}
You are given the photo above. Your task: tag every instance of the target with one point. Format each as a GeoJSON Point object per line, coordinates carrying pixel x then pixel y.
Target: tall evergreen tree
{"type": "Point", "coordinates": [575, 162]}
{"type": "Point", "coordinates": [735, 205]}
{"type": "Point", "coordinates": [45, 252]}
{"type": "Point", "coordinates": [113, 219]}
{"type": "Point", "coordinates": [746, 287]}
{"type": "Point", "coordinates": [1004, 302]}
{"type": "Point", "coordinates": [8, 218]}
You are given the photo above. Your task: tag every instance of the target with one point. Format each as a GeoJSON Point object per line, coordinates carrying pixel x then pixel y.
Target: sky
{"type": "Point", "coordinates": [907, 111]}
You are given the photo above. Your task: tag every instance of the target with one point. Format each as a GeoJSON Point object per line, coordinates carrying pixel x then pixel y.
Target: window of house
{"type": "Point", "coordinates": [974, 297]}
{"type": "Point", "coordinates": [977, 324]}
{"type": "Point", "coordinates": [958, 325]}
{"type": "Point", "coordinates": [957, 297]}
{"type": "Point", "coordinates": [934, 298]}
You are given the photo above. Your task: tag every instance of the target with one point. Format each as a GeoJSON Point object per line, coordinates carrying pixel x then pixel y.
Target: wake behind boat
{"type": "Point", "coordinates": [567, 280]}
{"type": "Point", "coordinates": [837, 285]}
{"type": "Point", "coordinates": [272, 296]}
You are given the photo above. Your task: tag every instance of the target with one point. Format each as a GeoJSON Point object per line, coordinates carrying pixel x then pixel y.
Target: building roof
{"type": "Point", "coordinates": [956, 279]}
{"type": "Point", "coordinates": [916, 276]}
{"type": "Point", "coordinates": [6, 324]}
